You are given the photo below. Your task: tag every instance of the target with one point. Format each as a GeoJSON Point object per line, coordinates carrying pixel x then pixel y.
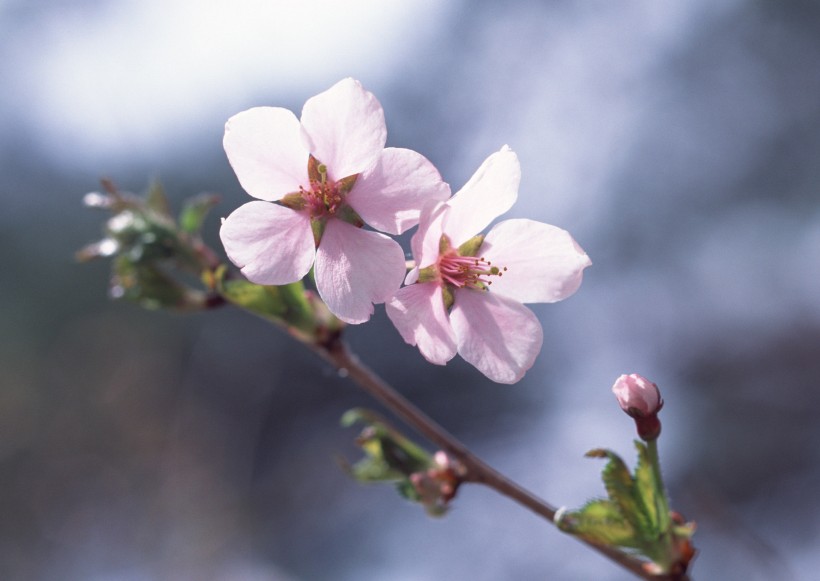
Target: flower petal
{"type": "Point", "coordinates": [418, 313]}
{"type": "Point", "coordinates": [356, 268]}
{"type": "Point", "coordinates": [544, 263]}
{"type": "Point", "coordinates": [344, 128]}
{"type": "Point", "coordinates": [390, 196]}
{"type": "Point", "coordinates": [499, 336]}
{"type": "Point", "coordinates": [270, 243]}
{"type": "Point", "coordinates": [491, 191]}
{"type": "Point", "coordinates": [264, 147]}
{"type": "Point", "coordinates": [425, 243]}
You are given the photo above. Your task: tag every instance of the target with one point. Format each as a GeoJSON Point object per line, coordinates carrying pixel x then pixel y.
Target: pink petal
{"type": "Point", "coordinates": [390, 196]}
{"type": "Point", "coordinates": [426, 240]}
{"type": "Point", "coordinates": [265, 149]}
{"type": "Point", "coordinates": [544, 263]}
{"type": "Point", "coordinates": [418, 313]}
{"type": "Point", "coordinates": [270, 243]}
{"type": "Point", "coordinates": [498, 335]}
{"type": "Point", "coordinates": [412, 276]}
{"type": "Point", "coordinates": [356, 268]}
{"type": "Point", "coordinates": [635, 393]}
{"type": "Point", "coordinates": [344, 128]}
{"type": "Point", "coordinates": [491, 191]}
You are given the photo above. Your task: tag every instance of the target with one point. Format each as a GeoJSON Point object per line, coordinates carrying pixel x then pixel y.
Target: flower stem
{"type": "Point", "coordinates": [477, 471]}
{"type": "Point", "coordinates": [668, 554]}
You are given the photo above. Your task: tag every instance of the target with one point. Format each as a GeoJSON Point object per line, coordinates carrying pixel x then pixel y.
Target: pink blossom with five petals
{"type": "Point", "coordinates": [329, 174]}
{"type": "Point", "coordinates": [467, 292]}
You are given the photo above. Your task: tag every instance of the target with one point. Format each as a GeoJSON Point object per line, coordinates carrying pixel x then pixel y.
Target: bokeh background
{"type": "Point", "coordinates": [678, 141]}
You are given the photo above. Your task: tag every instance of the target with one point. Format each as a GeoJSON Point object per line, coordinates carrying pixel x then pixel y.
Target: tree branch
{"type": "Point", "coordinates": [477, 471]}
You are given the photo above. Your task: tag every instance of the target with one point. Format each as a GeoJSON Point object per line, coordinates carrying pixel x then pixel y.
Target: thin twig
{"type": "Point", "coordinates": [477, 470]}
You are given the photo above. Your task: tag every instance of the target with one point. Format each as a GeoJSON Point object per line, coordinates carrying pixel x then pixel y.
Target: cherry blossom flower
{"type": "Point", "coordinates": [467, 292]}
{"type": "Point", "coordinates": [329, 174]}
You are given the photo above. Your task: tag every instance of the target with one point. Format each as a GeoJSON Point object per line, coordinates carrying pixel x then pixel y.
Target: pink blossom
{"type": "Point", "coordinates": [329, 174]}
{"type": "Point", "coordinates": [465, 295]}
{"type": "Point", "coordinates": [637, 396]}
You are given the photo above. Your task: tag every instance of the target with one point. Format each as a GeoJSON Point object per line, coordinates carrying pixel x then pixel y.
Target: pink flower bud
{"type": "Point", "coordinates": [637, 396]}
{"type": "Point", "coordinates": [641, 400]}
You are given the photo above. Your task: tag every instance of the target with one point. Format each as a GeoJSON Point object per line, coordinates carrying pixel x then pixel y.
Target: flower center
{"type": "Point", "coordinates": [467, 271]}
{"type": "Point", "coordinates": [323, 198]}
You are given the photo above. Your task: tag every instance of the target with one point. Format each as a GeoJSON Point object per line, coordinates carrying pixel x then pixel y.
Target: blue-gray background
{"type": "Point", "coordinates": [678, 141]}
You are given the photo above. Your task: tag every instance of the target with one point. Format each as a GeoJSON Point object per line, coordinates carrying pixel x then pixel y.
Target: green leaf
{"type": "Point", "coordinates": [620, 487]}
{"type": "Point", "coordinates": [358, 415]}
{"type": "Point", "coordinates": [407, 491]}
{"type": "Point", "coordinates": [601, 521]}
{"type": "Point", "coordinates": [373, 469]}
{"type": "Point", "coordinates": [195, 210]}
{"type": "Point", "coordinates": [391, 457]}
{"type": "Point", "coordinates": [636, 516]}
{"type": "Point", "coordinates": [150, 287]}
{"type": "Point", "coordinates": [381, 440]}
{"type": "Point", "coordinates": [156, 200]}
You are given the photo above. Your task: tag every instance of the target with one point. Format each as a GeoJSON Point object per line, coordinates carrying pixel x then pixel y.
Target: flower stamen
{"type": "Point", "coordinates": [322, 198]}
{"type": "Point", "coordinates": [467, 271]}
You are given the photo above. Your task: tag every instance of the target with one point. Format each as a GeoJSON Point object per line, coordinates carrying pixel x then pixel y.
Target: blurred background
{"type": "Point", "coordinates": [678, 142]}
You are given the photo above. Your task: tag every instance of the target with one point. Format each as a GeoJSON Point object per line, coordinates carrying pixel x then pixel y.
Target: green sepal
{"type": "Point", "coordinates": [314, 173]}
{"type": "Point", "coordinates": [444, 244]}
{"type": "Point", "coordinates": [601, 521]}
{"type": "Point", "coordinates": [195, 210]}
{"type": "Point", "coordinates": [294, 201]}
{"type": "Point", "coordinates": [317, 226]}
{"type": "Point", "coordinates": [428, 274]}
{"type": "Point", "coordinates": [472, 246]}
{"type": "Point", "coordinates": [448, 296]}
{"type": "Point", "coordinates": [346, 184]}
{"type": "Point", "coordinates": [349, 215]}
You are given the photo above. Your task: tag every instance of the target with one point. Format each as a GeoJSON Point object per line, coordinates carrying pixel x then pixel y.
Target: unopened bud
{"type": "Point", "coordinates": [637, 396]}
{"type": "Point", "coordinates": [641, 400]}
{"type": "Point", "coordinates": [437, 485]}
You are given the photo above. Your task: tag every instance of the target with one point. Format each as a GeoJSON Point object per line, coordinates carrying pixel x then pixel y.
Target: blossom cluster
{"type": "Point", "coordinates": [320, 179]}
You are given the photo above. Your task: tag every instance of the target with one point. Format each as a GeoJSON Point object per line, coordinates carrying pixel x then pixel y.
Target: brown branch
{"type": "Point", "coordinates": [476, 470]}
